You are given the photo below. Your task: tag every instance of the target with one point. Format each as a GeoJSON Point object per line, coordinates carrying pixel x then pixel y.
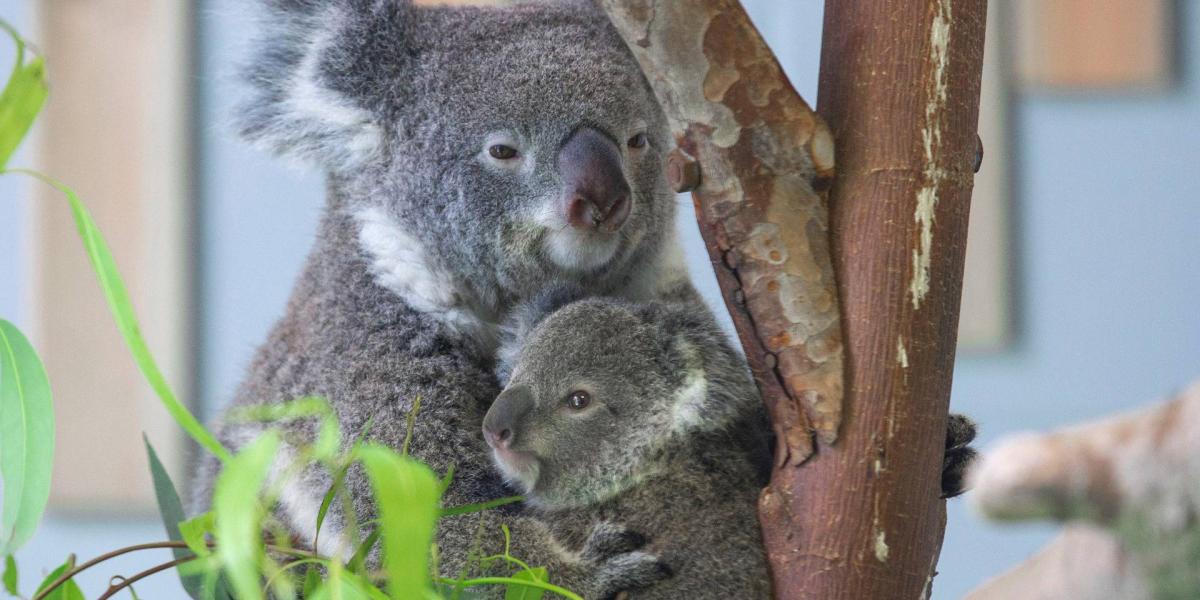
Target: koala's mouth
{"type": "Point", "coordinates": [517, 465]}
{"type": "Point", "coordinates": [576, 250]}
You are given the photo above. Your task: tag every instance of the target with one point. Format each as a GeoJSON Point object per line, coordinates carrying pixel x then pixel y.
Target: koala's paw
{"type": "Point", "coordinates": [616, 562]}
{"type": "Point", "coordinates": [960, 431]}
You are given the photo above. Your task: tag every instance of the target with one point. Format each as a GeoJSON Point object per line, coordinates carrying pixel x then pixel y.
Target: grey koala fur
{"type": "Point", "coordinates": [659, 448]}
{"type": "Point", "coordinates": [426, 242]}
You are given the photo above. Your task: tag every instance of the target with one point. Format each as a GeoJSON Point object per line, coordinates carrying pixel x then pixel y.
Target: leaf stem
{"type": "Point", "coordinates": [549, 587]}
{"type": "Point", "coordinates": [148, 546]}
{"type": "Point", "coordinates": [113, 589]}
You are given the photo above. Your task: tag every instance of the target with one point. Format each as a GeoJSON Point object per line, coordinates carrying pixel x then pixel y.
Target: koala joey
{"type": "Point", "coordinates": [641, 415]}
{"type": "Point", "coordinates": [634, 414]}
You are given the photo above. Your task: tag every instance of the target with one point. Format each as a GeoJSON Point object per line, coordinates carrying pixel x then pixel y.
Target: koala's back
{"type": "Point", "coordinates": [701, 519]}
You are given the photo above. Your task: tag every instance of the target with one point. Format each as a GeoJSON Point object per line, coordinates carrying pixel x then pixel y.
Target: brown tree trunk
{"type": "Point", "coordinates": [852, 510]}
{"type": "Point", "coordinates": [899, 88]}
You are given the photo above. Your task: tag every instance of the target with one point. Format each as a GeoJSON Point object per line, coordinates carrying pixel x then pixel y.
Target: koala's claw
{"type": "Point", "coordinates": [960, 431]}
{"type": "Point", "coordinates": [631, 571]}
{"type": "Point", "coordinates": [608, 540]}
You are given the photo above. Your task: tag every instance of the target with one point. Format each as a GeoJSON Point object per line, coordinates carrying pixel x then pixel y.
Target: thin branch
{"type": "Point", "coordinates": [150, 546]}
{"type": "Point", "coordinates": [113, 589]}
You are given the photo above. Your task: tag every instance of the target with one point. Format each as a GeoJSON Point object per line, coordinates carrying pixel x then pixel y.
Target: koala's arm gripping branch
{"type": "Point", "coordinates": [899, 90]}
{"type": "Point", "coordinates": [759, 147]}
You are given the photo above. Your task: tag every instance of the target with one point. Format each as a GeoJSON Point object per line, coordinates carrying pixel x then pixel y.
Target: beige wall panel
{"type": "Point", "coordinates": [115, 129]}
{"type": "Point", "coordinates": [985, 322]}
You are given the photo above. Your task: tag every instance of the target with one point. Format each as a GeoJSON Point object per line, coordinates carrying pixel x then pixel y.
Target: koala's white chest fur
{"type": "Point", "coordinates": [399, 263]}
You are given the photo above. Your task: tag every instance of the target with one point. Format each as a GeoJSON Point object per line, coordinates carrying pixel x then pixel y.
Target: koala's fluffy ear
{"type": "Point", "coordinates": [319, 72]}
{"type": "Point", "coordinates": [524, 318]}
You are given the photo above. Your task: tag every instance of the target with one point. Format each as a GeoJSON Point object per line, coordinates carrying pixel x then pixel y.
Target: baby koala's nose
{"type": "Point", "coordinates": [506, 412]}
{"type": "Point", "coordinates": [497, 440]}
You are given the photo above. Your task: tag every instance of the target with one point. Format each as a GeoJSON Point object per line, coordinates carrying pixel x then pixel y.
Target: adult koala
{"type": "Point", "coordinates": [473, 155]}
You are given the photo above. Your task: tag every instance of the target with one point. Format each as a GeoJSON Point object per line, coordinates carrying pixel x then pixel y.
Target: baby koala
{"type": "Point", "coordinates": [641, 416]}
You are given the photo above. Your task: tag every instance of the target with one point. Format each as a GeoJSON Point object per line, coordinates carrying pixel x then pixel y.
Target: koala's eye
{"type": "Point", "coordinates": [579, 400]}
{"type": "Point", "coordinates": [502, 152]}
{"type": "Point", "coordinates": [637, 141]}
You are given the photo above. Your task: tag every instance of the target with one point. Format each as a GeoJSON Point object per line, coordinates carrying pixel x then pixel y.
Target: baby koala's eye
{"type": "Point", "coordinates": [579, 400]}
{"type": "Point", "coordinates": [637, 141]}
{"type": "Point", "coordinates": [502, 152]}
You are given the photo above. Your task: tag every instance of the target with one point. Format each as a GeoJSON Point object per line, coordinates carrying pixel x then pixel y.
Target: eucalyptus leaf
{"type": "Point", "coordinates": [194, 530]}
{"type": "Point", "coordinates": [480, 506]}
{"type": "Point", "coordinates": [69, 590]}
{"type": "Point", "coordinates": [329, 437]}
{"type": "Point", "coordinates": [334, 489]}
{"type": "Point", "coordinates": [343, 585]}
{"type": "Point", "coordinates": [26, 438]}
{"type": "Point", "coordinates": [22, 98]}
{"type": "Point", "coordinates": [122, 311]}
{"type": "Point", "coordinates": [10, 575]}
{"type": "Point", "coordinates": [359, 559]}
{"type": "Point", "coordinates": [171, 509]}
{"type": "Point", "coordinates": [407, 494]}
{"type": "Point", "coordinates": [312, 580]}
{"type": "Point", "coordinates": [240, 513]}
{"type": "Point", "coordinates": [521, 592]}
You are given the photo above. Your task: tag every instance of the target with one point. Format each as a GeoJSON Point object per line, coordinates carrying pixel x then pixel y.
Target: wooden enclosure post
{"type": "Point", "coordinates": [853, 508]}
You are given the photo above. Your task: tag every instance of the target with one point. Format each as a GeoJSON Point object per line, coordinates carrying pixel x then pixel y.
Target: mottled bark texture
{"type": "Point", "coordinates": [760, 147]}
{"type": "Point", "coordinates": [900, 91]}
{"type": "Point", "coordinates": [1128, 488]}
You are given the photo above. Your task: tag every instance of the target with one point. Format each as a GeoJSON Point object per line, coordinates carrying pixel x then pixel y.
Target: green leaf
{"type": "Point", "coordinates": [21, 100]}
{"type": "Point", "coordinates": [344, 585]}
{"type": "Point", "coordinates": [448, 478]}
{"type": "Point", "coordinates": [338, 479]}
{"type": "Point", "coordinates": [521, 592]}
{"type": "Point", "coordinates": [407, 495]}
{"type": "Point", "coordinates": [358, 560]}
{"type": "Point", "coordinates": [26, 438]}
{"type": "Point", "coordinates": [480, 506]}
{"type": "Point", "coordinates": [122, 311]}
{"type": "Point", "coordinates": [410, 425]}
{"type": "Point", "coordinates": [69, 590]}
{"type": "Point", "coordinates": [10, 575]}
{"type": "Point", "coordinates": [454, 593]}
{"type": "Point", "coordinates": [171, 510]}
{"type": "Point", "coordinates": [312, 579]}
{"type": "Point", "coordinates": [194, 530]}
{"type": "Point", "coordinates": [329, 436]}
{"type": "Point", "coordinates": [240, 512]}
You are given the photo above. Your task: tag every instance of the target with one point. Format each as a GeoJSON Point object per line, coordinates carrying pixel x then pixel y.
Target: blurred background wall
{"type": "Point", "coordinates": [1101, 228]}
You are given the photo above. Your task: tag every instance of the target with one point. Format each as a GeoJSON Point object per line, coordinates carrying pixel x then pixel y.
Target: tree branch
{"type": "Point", "coordinates": [759, 146]}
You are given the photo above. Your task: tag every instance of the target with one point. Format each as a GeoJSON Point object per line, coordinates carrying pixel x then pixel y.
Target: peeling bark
{"type": "Point", "coordinates": [733, 111]}
{"type": "Point", "coordinates": [900, 91]}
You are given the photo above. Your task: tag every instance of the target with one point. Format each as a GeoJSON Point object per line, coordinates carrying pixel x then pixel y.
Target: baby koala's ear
{"type": "Point", "coordinates": [524, 318]}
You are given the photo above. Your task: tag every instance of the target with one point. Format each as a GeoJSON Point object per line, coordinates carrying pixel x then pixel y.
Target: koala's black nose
{"type": "Point", "coordinates": [500, 423]}
{"type": "Point", "coordinates": [596, 195]}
